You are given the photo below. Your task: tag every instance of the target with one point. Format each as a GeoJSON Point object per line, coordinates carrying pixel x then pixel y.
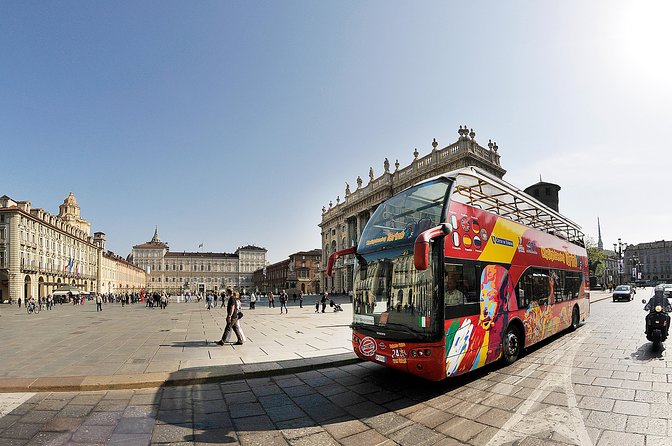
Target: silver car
{"type": "Point", "coordinates": [623, 292]}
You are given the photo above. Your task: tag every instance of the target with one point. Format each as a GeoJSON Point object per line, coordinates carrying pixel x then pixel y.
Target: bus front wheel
{"type": "Point", "coordinates": [512, 345]}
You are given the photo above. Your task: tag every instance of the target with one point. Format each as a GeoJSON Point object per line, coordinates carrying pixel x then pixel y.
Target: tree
{"type": "Point", "coordinates": [596, 258]}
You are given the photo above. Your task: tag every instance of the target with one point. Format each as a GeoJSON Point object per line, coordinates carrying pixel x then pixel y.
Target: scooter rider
{"type": "Point", "coordinates": [659, 298]}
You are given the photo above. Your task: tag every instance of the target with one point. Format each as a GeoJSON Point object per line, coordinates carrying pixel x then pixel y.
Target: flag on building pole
{"type": "Point", "coordinates": [201, 245]}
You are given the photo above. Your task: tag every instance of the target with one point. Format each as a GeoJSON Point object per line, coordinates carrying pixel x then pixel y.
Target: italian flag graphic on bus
{"type": "Point", "coordinates": [423, 321]}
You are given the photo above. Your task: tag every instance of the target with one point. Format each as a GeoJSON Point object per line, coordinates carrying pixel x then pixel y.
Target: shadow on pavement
{"type": "Point", "coordinates": [647, 353]}
{"type": "Point", "coordinates": [264, 409]}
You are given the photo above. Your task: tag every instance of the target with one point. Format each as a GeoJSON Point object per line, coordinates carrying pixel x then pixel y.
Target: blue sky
{"type": "Point", "coordinates": [231, 123]}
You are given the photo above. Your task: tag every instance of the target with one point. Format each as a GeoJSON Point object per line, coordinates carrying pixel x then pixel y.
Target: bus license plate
{"type": "Point", "coordinates": [380, 358]}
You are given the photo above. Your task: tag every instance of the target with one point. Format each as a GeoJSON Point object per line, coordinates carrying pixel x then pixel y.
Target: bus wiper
{"type": "Point", "coordinates": [393, 325]}
{"type": "Point", "coordinates": [405, 327]}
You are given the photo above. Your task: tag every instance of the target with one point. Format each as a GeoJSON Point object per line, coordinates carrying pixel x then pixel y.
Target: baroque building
{"type": "Point", "coordinates": [298, 273]}
{"type": "Point", "coordinates": [342, 223]}
{"type": "Point", "coordinates": [40, 252]}
{"type": "Point", "coordinates": [196, 272]}
{"type": "Point", "coordinates": [651, 261]}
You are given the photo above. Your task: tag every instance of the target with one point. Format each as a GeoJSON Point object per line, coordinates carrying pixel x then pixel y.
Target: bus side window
{"type": "Point", "coordinates": [573, 283]}
{"type": "Point", "coordinates": [559, 293]}
{"type": "Point", "coordinates": [461, 288]}
{"type": "Point", "coordinates": [524, 289]}
{"type": "Point", "coordinates": [541, 288]}
{"type": "Point", "coordinates": [453, 282]}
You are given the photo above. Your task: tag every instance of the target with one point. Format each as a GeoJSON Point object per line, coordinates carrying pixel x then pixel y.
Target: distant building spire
{"type": "Point", "coordinates": [156, 238]}
{"type": "Point", "coordinates": [600, 246]}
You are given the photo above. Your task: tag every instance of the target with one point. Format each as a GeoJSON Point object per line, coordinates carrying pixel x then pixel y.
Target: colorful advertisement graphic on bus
{"type": "Point", "coordinates": [473, 341]}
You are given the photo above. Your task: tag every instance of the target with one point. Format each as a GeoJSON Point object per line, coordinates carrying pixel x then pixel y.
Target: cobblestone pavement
{"type": "Point", "coordinates": [601, 385]}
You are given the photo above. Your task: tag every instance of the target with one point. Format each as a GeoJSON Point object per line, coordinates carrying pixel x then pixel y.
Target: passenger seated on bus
{"type": "Point", "coordinates": [452, 295]}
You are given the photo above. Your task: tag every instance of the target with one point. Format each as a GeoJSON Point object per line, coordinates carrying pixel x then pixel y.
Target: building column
{"type": "Point", "coordinates": [14, 259]}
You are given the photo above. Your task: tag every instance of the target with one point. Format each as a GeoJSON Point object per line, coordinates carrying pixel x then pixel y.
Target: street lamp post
{"type": "Point", "coordinates": [619, 254]}
{"type": "Point", "coordinates": [636, 268]}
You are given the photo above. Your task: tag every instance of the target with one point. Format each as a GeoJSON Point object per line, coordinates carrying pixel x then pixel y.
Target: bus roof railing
{"type": "Point", "coordinates": [478, 188]}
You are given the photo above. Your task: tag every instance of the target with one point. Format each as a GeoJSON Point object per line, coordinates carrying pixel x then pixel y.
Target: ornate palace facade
{"type": "Point", "coordinates": [40, 252]}
{"type": "Point", "coordinates": [648, 261]}
{"type": "Point", "coordinates": [179, 272]}
{"type": "Point", "coordinates": [342, 224]}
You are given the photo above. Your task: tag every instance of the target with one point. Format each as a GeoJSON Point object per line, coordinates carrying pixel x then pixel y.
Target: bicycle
{"type": "Point", "coordinates": [32, 308]}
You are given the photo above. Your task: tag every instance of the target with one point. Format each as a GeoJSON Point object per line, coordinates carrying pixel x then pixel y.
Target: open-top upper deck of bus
{"type": "Point", "coordinates": [478, 188]}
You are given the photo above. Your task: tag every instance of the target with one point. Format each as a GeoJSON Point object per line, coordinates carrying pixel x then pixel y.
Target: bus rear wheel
{"type": "Point", "coordinates": [512, 346]}
{"type": "Point", "coordinates": [575, 319]}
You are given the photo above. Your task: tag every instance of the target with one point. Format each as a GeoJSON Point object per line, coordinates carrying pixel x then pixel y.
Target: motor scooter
{"type": "Point", "coordinates": [657, 320]}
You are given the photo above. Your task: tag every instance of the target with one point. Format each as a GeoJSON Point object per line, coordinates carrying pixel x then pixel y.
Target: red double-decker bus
{"type": "Point", "coordinates": [461, 270]}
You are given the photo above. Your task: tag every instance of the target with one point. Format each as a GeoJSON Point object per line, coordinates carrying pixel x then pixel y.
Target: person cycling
{"type": "Point", "coordinates": [31, 304]}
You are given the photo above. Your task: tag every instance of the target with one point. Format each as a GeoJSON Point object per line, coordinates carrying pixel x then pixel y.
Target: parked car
{"type": "Point", "coordinates": [667, 289]}
{"type": "Point", "coordinates": [623, 292]}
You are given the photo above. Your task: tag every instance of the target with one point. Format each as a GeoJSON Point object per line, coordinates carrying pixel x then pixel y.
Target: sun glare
{"type": "Point", "coordinates": [647, 40]}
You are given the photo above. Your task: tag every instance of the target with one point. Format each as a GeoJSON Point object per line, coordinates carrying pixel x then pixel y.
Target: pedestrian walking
{"type": "Point", "coordinates": [208, 301]}
{"type": "Point", "coordinates": [232, 310]}
{"type": "Point", "coordinates": [294, 297]}
{"type": "Point", "coordinates": [253, 301]}
{"type": "Point", "coordinates": [317, 305]}
{"type": "Point", "coordinates": [283, 301]}
{"type": "Point", "coordinates": [164, 301]}
{"type": "Point", "coordinates": [270, 300]}
{"type": "Point", "coordinates": [99, 302]}
{"type": "Point", "coordinates": [300, 299]}
{"type": "Point", "coordinates": [324, 301]}
{"type": "Point", "coordinates": [19, 302]}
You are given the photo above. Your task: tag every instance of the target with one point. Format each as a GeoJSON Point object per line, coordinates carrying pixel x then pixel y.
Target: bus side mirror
{"type": "Point", "coordinates": [336, 255]}
{"type": "Point", "coordinates": [421, 247]}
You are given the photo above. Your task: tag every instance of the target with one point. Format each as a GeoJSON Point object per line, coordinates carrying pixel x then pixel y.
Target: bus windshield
{"type": "Point", "coordinates": [391, 295]}
{"type": "Point", "coordinates": [399, 220]}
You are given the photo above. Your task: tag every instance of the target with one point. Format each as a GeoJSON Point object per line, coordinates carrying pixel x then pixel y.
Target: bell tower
{"type": "Point", "coordinates": [69, 211]}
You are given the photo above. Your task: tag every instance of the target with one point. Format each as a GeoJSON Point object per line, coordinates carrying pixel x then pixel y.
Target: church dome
{"type": "Point", "coordinates": [70, 200]}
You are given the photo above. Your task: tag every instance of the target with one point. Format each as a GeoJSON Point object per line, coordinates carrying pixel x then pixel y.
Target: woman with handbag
{"type": "Point", "coordinates": [232, 316]}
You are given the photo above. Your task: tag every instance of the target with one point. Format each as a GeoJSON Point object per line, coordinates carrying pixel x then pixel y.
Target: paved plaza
{"type": "Point", "coordinates": [73, 347]}
{"type": "Point", "coordinates": [600, 385]}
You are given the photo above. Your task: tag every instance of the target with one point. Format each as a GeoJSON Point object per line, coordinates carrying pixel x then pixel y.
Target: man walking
{"type": "Point", "coordinates": [283, 301]}
{"type": "Point", "coordinates": [324, 301]}
{"type": "Point", "coordinates": [300, 299]}
{"type": "Point", "coordinates": [99, 302]}
{"type": "Point", "coordinates": [231, 319]}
